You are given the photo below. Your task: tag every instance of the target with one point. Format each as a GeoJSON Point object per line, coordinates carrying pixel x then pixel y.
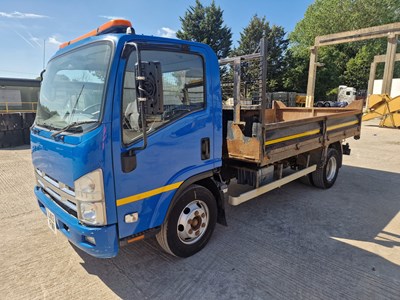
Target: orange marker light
{"type": "Point", "coordinates": [135, 239]}
{"type": "Point", "coordinates": [113, 26]}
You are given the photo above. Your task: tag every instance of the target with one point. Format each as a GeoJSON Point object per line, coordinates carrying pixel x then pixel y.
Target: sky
{"type": "Point", "coordinates": [31, 31]}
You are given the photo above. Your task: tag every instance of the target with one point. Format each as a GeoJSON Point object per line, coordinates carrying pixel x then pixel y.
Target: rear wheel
{"type": "Point", "coordinates": [190, 223]}
{"type": "Point", "coordinates": [325, 177]}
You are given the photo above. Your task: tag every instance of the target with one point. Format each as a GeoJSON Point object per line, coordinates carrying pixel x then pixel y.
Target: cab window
{"type": "Point", "coordinates": [182, 91]}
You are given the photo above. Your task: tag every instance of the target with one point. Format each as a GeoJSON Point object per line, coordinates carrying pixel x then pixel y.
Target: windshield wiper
{"type": "Point", "coordinates": [72, 125]}
{"type": "Point", "coordinates": [76, 102]}
{"type": "Point", "coordinates": [47, 126]}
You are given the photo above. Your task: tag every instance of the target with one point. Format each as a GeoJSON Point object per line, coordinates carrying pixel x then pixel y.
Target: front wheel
{"type": "Point", "coordinates": [190, 223]}
{"type": "Point", "coordinates": [325, 177]}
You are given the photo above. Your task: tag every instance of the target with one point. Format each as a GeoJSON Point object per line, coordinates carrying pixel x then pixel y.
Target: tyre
{"type": "Point", "coordinates": [190, 223]}
{"type": "Point", "coordinates": [327, 104]}
{"type": "Point", "coordinates": [325, 177]}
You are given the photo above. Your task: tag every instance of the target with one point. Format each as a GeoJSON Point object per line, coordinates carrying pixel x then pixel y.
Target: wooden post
{"type": "Point", "coordinates": [372, 73]}
{"type": "Point", "coordinates": [263, 90]}
{"type": "Point", "coordinates": [312, 72]}
{"type": "Point", "coordinates": [236, 91]}
{"type": "Point", "coordinates": [389, 64]}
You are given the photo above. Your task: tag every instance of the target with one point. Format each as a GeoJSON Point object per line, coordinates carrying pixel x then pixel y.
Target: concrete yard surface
{"type": "Point", "coordinates": [296, 242]}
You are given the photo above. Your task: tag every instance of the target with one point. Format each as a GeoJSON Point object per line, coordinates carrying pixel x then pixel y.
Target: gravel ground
{"type": "Point", "coordinates": [296, 242]}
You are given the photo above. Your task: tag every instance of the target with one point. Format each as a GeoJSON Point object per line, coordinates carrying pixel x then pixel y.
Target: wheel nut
{"type": "Point", "coordinates": [190, 231]}
{"type": "Point", "coordinates": [197, 232]}
{"type": "Point", "coordinates": [190, 221]}
{"type": "Point", "coordinates": [203, 225]}
{"type": "Point", "coordinates": [203, 215]}
{"type": "Point", "coordinates": [196, 213]}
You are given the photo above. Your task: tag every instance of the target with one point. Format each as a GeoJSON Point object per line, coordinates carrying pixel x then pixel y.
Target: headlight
{"type": "Point", "coordinates": [89, 193]}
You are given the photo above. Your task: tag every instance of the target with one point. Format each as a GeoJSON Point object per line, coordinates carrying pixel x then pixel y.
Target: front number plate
{"type": "Point", "coordinates": [51, 221]}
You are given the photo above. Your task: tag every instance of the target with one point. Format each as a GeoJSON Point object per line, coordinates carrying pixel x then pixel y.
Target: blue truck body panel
{"type": "Point", "coordinates": [173, 154]}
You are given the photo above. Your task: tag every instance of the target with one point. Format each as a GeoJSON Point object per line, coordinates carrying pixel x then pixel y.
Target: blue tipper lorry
{"type": "Point", "coordinates": [138, 136]}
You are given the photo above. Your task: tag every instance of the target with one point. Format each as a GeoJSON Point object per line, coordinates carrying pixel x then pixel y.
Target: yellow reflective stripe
{"type": "Point", "coordinates": [290, 137]}
{"type": "Point", "coordinates": [148, 194]}
{"type": "Point", "coordinates": [307, 133]}
{"type": "Point", "coordinates": [333, 127]}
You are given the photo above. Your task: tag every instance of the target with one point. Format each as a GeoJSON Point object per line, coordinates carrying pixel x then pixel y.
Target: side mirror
{"type": "Point", "coordinates": [149, 86]}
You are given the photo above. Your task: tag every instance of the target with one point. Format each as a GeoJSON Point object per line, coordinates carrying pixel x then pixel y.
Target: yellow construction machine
{"type": "Point", "coordinates": [384, 107]}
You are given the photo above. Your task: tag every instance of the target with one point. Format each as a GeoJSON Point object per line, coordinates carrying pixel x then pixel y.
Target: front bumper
{"type": "Point", "coordinates": [106, 240]}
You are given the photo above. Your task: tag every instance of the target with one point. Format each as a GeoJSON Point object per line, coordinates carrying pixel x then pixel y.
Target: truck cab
{"type": "Point", "coordinates": [124, 123]}
{"type": "Point", "coordinates": [346, 94]}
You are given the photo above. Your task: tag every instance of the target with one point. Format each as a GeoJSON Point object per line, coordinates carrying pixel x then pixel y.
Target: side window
{"type": "Point", "coordinates": [183, 91]}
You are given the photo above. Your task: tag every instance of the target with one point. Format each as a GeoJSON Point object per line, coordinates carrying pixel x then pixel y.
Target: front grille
{"type": "Point", "coordinates": [59, 192]}
{"type": "Point", "coordinates": [67, 208]}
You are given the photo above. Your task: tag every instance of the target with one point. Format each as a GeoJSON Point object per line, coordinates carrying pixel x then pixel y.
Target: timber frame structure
{"type": "Point", "coordinates": [390, 31]}
{"type": "Point", "coordinates": [377, 59]}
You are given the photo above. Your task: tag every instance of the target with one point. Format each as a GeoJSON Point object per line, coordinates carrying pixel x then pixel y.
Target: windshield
{"type": "Point", "coordinates": [72, 90]}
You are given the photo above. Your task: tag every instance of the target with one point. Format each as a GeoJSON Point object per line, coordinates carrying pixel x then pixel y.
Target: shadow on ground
{"type": "Point", "coordinates": [22, 147]}
{"type": "Point", "coordinates": [294, 242]}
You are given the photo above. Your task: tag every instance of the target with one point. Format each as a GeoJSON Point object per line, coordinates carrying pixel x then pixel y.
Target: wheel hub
{"type": "Point", "coordinates": [193, 222]}
{"type": "Point", "coordinates": [331, 168]}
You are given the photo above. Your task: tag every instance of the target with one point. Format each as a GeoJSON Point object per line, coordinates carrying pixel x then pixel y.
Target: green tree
{"type": "Point", "coordinates": [205, 24]}
{"type": "Point", "coordinates": [295, 76]}
{"type": "Point", "coordinates": [251, 35]}
{"type": "Point", "coordinates": [346, 63]}
{"type": "Point", "coordinates": [356, 72]}
{"type": "Point", "coordinates": [277, 45]}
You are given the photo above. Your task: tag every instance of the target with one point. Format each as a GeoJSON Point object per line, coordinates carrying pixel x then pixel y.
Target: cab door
{"type": "Point", "coordinates": [180, 136]}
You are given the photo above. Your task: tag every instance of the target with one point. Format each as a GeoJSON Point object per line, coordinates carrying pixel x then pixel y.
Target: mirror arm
{"type": "Point", "coordinates": [142, 98]}
{"type": "Point", "coordinates": [41, 75]}
{"type": "Point", "coordinates": [144, 127]}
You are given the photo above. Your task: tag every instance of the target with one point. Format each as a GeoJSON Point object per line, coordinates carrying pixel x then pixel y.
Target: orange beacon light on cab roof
{"type": "Point", "coordinates": [113, 26]}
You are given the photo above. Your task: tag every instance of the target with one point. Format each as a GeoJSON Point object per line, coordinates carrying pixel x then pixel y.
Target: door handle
{"type": "Point", "coordinates": [205, 148]}
{"type": "Point", "coordinates": [128, 161]}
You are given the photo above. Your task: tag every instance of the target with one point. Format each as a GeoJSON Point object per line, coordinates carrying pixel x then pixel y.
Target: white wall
{"type": "Point", "coordinates": [377, 89]}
